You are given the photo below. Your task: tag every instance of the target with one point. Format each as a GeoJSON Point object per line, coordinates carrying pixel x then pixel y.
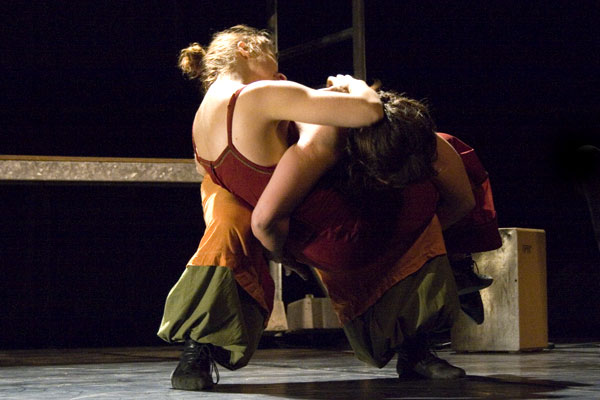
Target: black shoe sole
{"type": "Point", "coordinates": [191, 383]}
{"type": "Point", "coordinates": [471, 289]}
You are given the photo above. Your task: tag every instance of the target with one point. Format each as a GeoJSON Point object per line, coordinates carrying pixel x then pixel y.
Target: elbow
{"type": "Point", "coordinates": [260, 224]}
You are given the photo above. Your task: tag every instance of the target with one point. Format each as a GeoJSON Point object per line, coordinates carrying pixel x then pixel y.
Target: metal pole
{"type": "Point", "coordinates": [358, 39]}
{"type": "Point", "coordinates": [272, 21]}
{"type": "Point", "coordinates": [308, 47]}
{"type": "Point", "coordinates": [278, 320]}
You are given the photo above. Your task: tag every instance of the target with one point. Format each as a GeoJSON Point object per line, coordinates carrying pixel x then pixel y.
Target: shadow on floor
{"type": "Point", "coordinates": [32, 358]}
{"type": "Point", "coordinates": [472, 387]}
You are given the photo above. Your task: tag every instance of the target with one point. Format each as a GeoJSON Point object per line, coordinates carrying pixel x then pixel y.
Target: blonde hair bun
{"type": "Point", "coordinates": [191, 61]}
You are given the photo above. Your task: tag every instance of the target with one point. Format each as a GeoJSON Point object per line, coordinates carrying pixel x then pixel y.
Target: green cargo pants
{"type": "Point", "coordinates": [207, 305]}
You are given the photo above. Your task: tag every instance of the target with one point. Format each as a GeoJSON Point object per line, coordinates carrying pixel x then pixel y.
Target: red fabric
{"type": "Point", "coordinates": [332, 235]}
{"type": "Point", "coordinates": [235, 172]}
{"type": "Point", "coordinates": [478, 231]}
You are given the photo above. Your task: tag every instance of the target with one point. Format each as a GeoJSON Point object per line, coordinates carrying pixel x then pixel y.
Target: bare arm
{"type": "Point", "coordinates": [453, 184]}
{"type": "Point", "coordinates": [290, 101]}
{"type": "Point", "coordinates": [298, 170]}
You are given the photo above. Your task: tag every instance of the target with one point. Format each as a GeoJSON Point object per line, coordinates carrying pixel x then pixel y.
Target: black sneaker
{"type": "Point", "coordinates": [194, 371]}
{"type": "Point", "coordinates": [433, 367]}
{"type": "Point", "coordinates": [416, 360]}
{"type": "Point", "coordinates": [403, 365]}
{"type": "Point", "coordinates": [468, 280]}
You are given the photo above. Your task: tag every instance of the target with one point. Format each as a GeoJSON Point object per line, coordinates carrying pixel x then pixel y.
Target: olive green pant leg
{"type": "Point", "coordinates": [207, 305]}
{"type": "Point", "coordinates": [422, 303]}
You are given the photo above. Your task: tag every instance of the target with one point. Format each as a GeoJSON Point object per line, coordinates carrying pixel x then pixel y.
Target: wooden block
{"type": "Point", "coordinates": [516, 315]}
{"type": "Point", "coordinates": [312, 313]}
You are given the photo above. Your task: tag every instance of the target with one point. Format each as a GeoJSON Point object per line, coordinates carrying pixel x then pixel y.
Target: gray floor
{"type": "Point", "coordinates": [568, 371]}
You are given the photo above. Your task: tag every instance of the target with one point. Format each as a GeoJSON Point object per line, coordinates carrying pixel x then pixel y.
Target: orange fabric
{"type": "Point", "coordinates": [228, 242]}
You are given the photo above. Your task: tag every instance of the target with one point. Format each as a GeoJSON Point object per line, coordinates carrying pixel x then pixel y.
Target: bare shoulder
{"type": "Point", "coordinates": [270, 90]}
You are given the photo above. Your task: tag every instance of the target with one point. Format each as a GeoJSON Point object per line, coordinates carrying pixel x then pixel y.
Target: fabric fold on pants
{"type": "Point", "coordinates": [422, 303]}
{"type": "Point", "coordinates": [208, 306]}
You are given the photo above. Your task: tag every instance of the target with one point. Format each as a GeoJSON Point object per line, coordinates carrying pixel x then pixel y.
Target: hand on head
{"type": "Point", "coordinates": [340, 83]}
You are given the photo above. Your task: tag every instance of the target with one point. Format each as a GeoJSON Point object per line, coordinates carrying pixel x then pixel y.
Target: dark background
{"type": "Point", "coordinates": [91, 264]}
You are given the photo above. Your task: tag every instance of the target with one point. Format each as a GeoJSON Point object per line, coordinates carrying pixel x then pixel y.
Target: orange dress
{"type": "Point", "coordinates": [228, 242]}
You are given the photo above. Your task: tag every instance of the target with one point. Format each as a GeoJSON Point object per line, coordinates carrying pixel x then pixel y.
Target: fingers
{"type": "Point", "coordinates": [348, 84]}
{"type": "Point", "coordinates": [345, 80]}
{"type": "Point", "coordinates": [339, 80]}
{"type": "Point", "coordinates": [330, 80]}
{"type": "Point", "coordinates": [335, 89]}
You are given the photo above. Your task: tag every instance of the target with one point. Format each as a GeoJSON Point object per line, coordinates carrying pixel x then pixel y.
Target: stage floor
{"type": "Point", "coordinates": [567, 371]}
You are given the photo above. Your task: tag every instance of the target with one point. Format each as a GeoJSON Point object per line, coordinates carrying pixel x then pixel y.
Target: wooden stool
{"type": "Point", "coordinates": [516, 315]}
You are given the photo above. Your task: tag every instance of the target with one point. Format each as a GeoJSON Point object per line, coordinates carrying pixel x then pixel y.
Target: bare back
{"type": "Point", "coordinates": [259, 139]}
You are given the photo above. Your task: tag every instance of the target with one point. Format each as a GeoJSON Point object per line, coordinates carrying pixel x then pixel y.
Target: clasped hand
{"type": "Point", "coordinates": [340, 83]}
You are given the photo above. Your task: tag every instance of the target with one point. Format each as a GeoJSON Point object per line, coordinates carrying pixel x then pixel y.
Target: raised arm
{"type": "Point", "coordinates": [298, 170]}
{"type": "Point", "coordinates": [456, 195]}
{"type": "Point", "coordinates": [285, 100]}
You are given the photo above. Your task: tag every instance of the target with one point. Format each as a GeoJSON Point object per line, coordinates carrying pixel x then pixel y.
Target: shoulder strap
{"type": "Point", "coordinates": [230, 108]}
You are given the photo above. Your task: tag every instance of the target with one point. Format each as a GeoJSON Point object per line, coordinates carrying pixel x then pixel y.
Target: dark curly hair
{"type": "Point", "coordinates": [394, 152]}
